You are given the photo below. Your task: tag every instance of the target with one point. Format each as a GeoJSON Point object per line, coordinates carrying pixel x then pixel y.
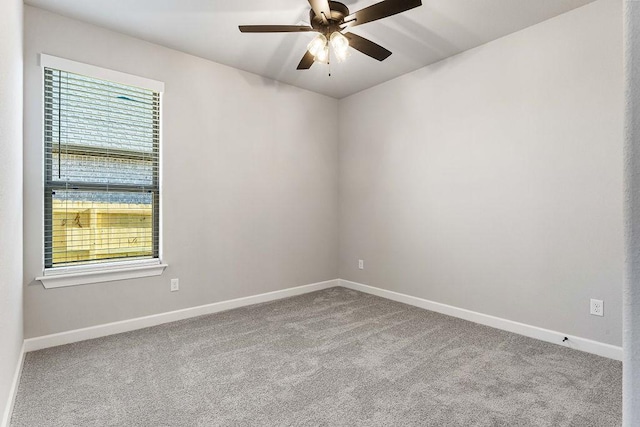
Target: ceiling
{"type": "Point", "coordinates": [209, 29]}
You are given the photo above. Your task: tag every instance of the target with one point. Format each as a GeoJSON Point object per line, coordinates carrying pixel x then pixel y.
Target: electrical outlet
{"type": "Point", "coordinates": [175, 285]}
{"type": "Point", "coordinates": [597, 307]}
{"type": "Point", "coordinates": [361, 264]}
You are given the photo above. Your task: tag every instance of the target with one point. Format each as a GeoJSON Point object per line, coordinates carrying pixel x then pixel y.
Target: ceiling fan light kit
{"type": "Point", "coordinates": [331, 20]}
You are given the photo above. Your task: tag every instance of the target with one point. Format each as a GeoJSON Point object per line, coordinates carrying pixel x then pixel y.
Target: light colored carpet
{"type": "Point", "coordinates": [334, 358]}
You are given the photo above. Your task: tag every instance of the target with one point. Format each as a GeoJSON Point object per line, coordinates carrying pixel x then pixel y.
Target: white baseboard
{"type": "Point", "coordinates": [578, 343]}
{"type": "Point", "coordinates": [8, 409]}
{"type": "Point", "coordinates": [583, 344]}
{"type": "Point", "coordinates": [98, 331]}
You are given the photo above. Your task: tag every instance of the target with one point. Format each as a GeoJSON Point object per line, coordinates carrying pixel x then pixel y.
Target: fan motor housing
{"type": "Point", "coordinates": [338, 12]}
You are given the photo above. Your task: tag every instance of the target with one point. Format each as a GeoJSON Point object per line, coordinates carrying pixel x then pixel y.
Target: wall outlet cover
{"type": "Point", "coordinates": [175, 285]}
{"type": "Point", "coordinates": [597, 307]}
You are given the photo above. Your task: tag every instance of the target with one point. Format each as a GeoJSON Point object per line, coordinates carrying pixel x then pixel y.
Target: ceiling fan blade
{"type": "Point", "coordinates": [379, 11]}
{"type": "Point", "coordinates": [274, 29]}
{"type": "Point", "coordinates": [306, 62]}
{"type": "Point", "coordinates": [367, 47]}
{"type": "Point", "coordinates": [321, 8]}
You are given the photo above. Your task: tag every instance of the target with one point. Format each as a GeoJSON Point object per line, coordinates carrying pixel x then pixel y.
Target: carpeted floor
{"type": "Point", "coordinates": [334, 358]}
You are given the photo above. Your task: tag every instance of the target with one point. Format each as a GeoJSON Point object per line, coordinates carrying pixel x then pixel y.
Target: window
{"type": "Point", "coordinates": [101, 181]}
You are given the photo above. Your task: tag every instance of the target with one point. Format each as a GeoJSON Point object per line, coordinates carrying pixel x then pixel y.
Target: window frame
{"type": "Point", "coordinates": [108, 270]}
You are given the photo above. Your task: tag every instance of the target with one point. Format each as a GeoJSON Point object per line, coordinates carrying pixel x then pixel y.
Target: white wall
{"type": "Point", "coordinates": [492, 181]}
{"type": "Point", "coordinates": [253, 159]}
{"type": "Point", "coordinates": [10, 194]}
{"type": "Point", "coordinates": [631, 373]}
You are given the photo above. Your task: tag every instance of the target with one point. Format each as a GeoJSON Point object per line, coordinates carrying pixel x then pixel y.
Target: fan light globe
{"type": "Point", "coordinates": [323, 54]}
{"type": "Point", "coordinates": [317, 45]}
{"type": "Point", "coordinates": [339, 43]}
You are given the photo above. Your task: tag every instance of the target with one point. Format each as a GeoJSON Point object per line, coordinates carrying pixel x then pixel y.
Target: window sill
{"type": "Point", "coordinates": [98, 275]}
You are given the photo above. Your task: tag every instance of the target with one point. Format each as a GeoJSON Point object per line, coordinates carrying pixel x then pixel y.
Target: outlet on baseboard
{"type": "Point", "coordinates": [175, 285]}
{"type": "Point", "coordinates": [597, 307]}
{"type": "Point", "coordinates": [361, 264]}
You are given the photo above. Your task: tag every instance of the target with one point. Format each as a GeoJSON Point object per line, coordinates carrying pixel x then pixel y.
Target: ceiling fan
{"type": "Point", "coordinates": [331, 19]}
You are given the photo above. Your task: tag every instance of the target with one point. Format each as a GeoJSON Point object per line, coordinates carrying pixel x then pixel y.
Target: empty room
{"type": "Point", "coordinates": [320, 213]}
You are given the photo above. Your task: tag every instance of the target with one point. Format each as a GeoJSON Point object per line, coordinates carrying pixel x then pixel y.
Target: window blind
{"type": "Point", "coordinates": [101, 142]}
